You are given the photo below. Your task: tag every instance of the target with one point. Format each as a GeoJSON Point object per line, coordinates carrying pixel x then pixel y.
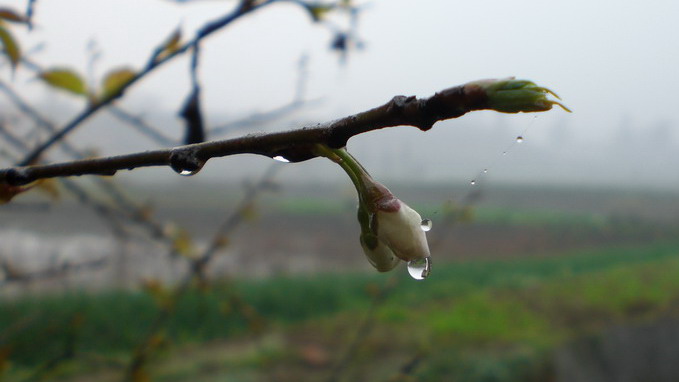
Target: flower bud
{"type": "Point", "coordinates": [510, 95]}
{"type": "Point", "coordinates": [394, 228]}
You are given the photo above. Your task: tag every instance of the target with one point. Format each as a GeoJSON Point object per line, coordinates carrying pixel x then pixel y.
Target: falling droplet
{"type": "Point", "coordinates": [185, 163]}
{"type": "Point", "coordinates": [281, 158]}
{"type": "Point", "coordinates": [519, 139]}
{"type": "Point", "coordinates": [419, 269]}
{"type": "Point", "coordinates": [426, 225]}
{"type": "Point", "coordinates": [473, 182]}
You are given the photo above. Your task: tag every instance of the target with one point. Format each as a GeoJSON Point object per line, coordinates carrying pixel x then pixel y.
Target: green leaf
{"type": "Point", "coordinates": [171, 45]}
{"type": "Point", "coordinates": [11, 16]}
{"type": "Point", "coordinates": [65, 79]}
{"type": "Point", "coordinates": [115, 81]}
{"type": "Point", "coordinates": [318, 11]}
{"type": "Point", "coordinates": [11, 50]}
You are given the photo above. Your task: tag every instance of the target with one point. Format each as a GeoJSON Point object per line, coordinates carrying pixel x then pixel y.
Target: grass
{"type": "Point", "coordinates": [496, 316]}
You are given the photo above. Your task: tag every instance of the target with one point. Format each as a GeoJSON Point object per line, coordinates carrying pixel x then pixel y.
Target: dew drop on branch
{"type": "Point", "coordinates": [419, 269]}
{"type": "Point", "coordinates": [426, 225]}
{"type": "Point", "coordinates": [185, 163]}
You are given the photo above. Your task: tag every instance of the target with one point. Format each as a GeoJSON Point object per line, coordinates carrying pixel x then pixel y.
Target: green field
{"type": "Point", "coordinates": [477, 320]}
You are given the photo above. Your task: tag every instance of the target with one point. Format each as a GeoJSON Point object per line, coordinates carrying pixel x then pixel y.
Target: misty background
{"type": "Point", "coordinates": [613, 63]}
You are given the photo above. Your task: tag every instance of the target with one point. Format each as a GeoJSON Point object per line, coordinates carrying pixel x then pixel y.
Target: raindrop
{"type": "Point", "coordinates": [504, 153]}
{"type": "Point", "coordinates": [473, 182]}
{"type": "Point", "coordinates": [485, 171]}
{"type": "Point", "coordinates": [419, 269]}
{"type": "Point", "coordinates": [186, 172]}
{"type": "Point", "coordinates": [281, 158]}
{"type": "Point", "coordinates": [519, 139]}
{"type": "Point", "coordinates": [426, 225]}
{"type": "Point", "coordinates": [185, 162]}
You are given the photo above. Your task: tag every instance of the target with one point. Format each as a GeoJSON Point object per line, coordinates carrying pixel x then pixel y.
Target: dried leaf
{"type": "Point", "coordinates": [160, 294]}
{"type": "Point", "coordinates": [11, 48]}
{"type": "Point", "coordinates": [115, 81]}
{"type": "Point", "coordinates": [140, 375]}
{"type": "Point", "coordinates": [249, 212]}
{"type": "Point", "coordinates": [195, 132]}
{"type": "Point", "coordinates": [221, 241]}
{"type": "Point", "coordinates": [171, 45]}
{"type": "Point", "coordinates": [49, 187]}
{"type": "Point", "coordinates": [183, 244]}
{"type": "Point", "coordinates": [11, 16]}
{"type": "Point", "coordinates": [5, 352]}
{"type": "Point", "coordinates": [65, 79]}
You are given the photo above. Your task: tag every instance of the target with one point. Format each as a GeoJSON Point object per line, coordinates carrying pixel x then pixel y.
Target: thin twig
{"type": "Point", "coordinates": [142, 126]}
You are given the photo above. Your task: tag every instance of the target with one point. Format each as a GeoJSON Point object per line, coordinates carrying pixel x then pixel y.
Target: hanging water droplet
{"type": "Point", "coordinates": [473, 182]}
{"type": "Point", "coordinates": [485, 171]}
{"type": "Point", "coordinates": [519, 139]}
{"type": "Point", "coordinates": [185, 162]}
{"type": "Point", "coordinates": [419, 269]}
{"type": "Point", "coordinates": [281, 158]}
{"type": "Point", "coordinates": [426, 225]}
{"type": "Point", "coordinates": [186, 172]}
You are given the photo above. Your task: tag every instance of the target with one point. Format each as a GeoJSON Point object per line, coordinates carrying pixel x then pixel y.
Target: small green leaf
{"type": "Point", "coordinates": [65, 79]}
{"type": "Point", "coordinates": [318, 11]}
{"type": "Point", "coordinates": [11, 50]}
{"type": "Point", "coordinates": [11, 16]}
{"type": "Point", "coordinates": [115, 81]}
{"type": "Point", "coordinates": [171, 45]}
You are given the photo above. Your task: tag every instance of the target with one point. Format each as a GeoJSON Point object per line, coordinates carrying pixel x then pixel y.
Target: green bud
{"type": "Point", "coordinates": [510, 95]}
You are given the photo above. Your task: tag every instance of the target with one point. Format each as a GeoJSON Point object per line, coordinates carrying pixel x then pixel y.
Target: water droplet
{"type": "Point", "coordinates": [426, 225]}
{"type": "Point", "coordinates": [473, 182]}
{"type": "Point", "coordinates": [185, 162]}
{"type": "Point", "coordinates": [504, 153]}
{"type": "Point", "coordinates": [485, 171]}
{"type": "Point", "coordinates": [186, 172]}
{"type": "Point", "coordinates": [519, 139]}
{"type": "Point", "coordinates": [419, 269]}
{"type": "Point", "coordinates": [281, 158]}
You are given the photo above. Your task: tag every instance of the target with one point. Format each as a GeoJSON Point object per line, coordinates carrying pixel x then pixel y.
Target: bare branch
{"type": "Point", "coordinates": [295, 145]}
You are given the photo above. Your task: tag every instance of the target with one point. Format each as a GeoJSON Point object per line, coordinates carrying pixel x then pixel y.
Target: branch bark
{"type": "Point", "coordinates": [295, 145]}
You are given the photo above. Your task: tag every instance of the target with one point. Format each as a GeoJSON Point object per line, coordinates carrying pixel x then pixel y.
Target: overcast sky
{"type": "Point", "coordinates": [614, 63]}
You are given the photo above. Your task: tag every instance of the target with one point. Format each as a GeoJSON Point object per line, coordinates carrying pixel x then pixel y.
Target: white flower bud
{"type": "Point", "coordinates": [401, 231]}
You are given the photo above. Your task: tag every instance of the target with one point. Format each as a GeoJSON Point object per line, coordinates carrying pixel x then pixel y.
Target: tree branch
{"type": "Point", "coordinates": [504, 95]}
{"type": "Point", "coordinates": [295, 145]}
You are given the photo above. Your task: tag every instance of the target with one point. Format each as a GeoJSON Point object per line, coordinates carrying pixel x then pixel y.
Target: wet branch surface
{"type": "Point", "coordinates": [294, 145]}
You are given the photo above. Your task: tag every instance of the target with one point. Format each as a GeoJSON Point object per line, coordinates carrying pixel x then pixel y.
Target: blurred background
{"type": "Point", "coordinates": [554, 239]}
